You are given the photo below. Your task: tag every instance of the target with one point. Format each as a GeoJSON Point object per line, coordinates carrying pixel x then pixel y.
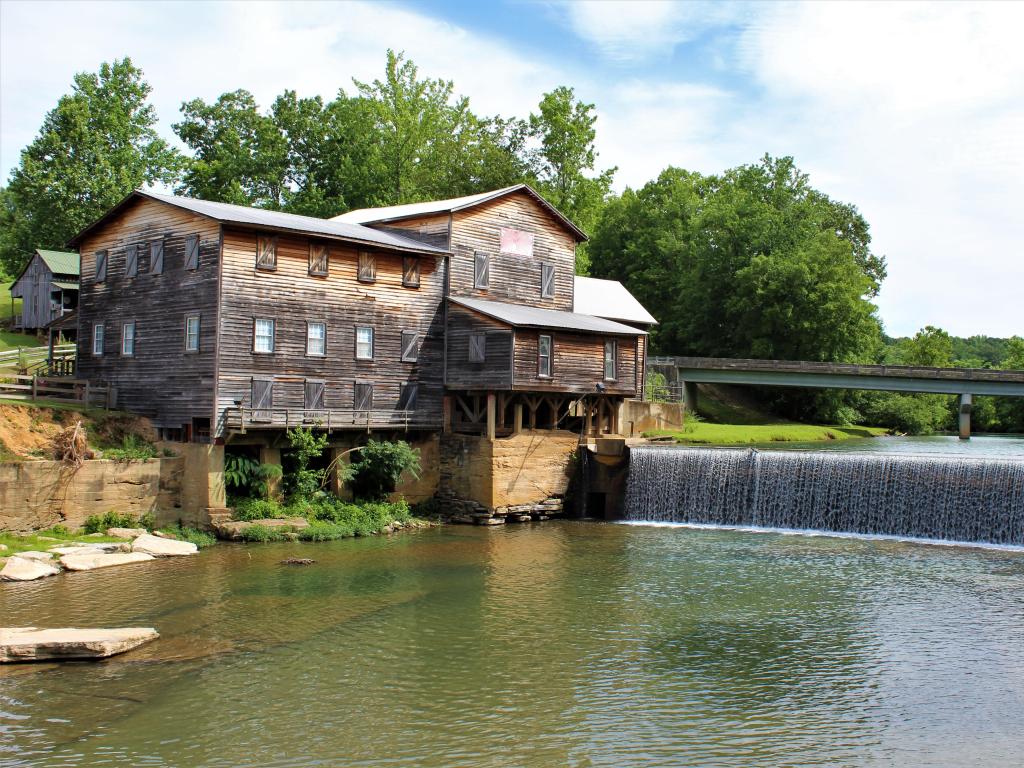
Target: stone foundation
{"type": "Point", "coordinates": [639, 416]}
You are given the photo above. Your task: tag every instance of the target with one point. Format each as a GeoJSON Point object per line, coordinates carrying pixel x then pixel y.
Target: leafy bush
{"type": "Point", "coordinates": [323, 531]}
{"type": "Point", "coordinates": [248, 478]}
{"type": "Point", "coordinates": [201, 539]}
{"type": "Point", "coordinates": [380, 466]}
{"type": "Point", "coordinates": [132, 448]}
{"type": "Point", "coordinates": [348, 519]}
{"type": "Point", "coordinates": [303, 482]}
{"type": "Point", "coordinates": [262, 534]}
{"type": "Point", "coordinates": [257, 509]}
{"type": "Point", "coordinates": [912, 414]}
{"type": "Point", "coordinates": [100, 523]}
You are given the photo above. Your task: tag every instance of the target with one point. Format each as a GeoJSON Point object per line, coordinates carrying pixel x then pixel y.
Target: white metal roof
{"type": "Point", "coordinates": [430, 207]}
{"type": "Point", "coordinates": [533, 317]}
{"type": "Point", "coordinates": [608, 299]}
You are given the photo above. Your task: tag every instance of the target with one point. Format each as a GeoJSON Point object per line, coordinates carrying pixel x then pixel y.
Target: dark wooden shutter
{"type": "Point", "coordinates": [101, 266]}
{"type": "Point", "coordinates": [131, 260]}
{"type": "Point", "coordinates": [410, 272]}
{"type": "Point", "coordinates": [262, 399]}
{"type": "Point", "coordinates": [547, 285]}
{"type": "Point", "coordinates": [407, 398]}
{"type": "Point", "coordinates": [410, 346]}
{"type": "Point", "coordinates": [481, 270]}
{"type": "Point", "coordinates": [266, 252]}
{"type": "Point", "coordinates": [363, 397]}
{"type": "Point", "coordinates": [477, 348]}
{"type": "Point", "coordinates": [156, 257]}
{"type": "Point", "coordinates": [314, 399]}
{"type": "Point", "coordinates": [192, 252]}
{"type": "Point", "coordinates": [367, 267]}
{"type": "Point", "coordinates": [318, 259]}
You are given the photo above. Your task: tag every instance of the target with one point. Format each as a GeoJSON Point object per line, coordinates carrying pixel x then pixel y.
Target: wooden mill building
{"type": "Point", "coordinates": [218, 320]}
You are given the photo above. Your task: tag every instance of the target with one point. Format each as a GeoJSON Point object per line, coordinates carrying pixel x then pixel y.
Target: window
{"type": "Point", "coordinates": [192, 333]}
{"type": "Point", "coordinates": [319, 261]}
{"type": "Point", "coordinates": [410, 272]}
{"type": "Point", "coordinates": [367, 267]}
{"type": "Point", "coordinates": [156, 257]}
{"type": "Point", "coordinates": [364, 343]}
{"type": "Point", "coordinates": [410, 346]}
{"type": "Point", "coordinates": [131, 260]}
{"type": "Point", "coordinates": [363, 396]}
{"type": "Point", "coordinates": [544, 356]}
{"type": "Point", "coordinates": [266, 252]}
{"type": "Point", "coordinates": [128, 339]}
{"type": "Point", "coordinates": [263, 335]}
{"type": "Point", "coordinates": [97, 339]}
{"type": "Point", "coordinates": [316, 339]}
{"type": "Point", "coordinates": [547, 281]}
{"type": "Point", "coordinates": [262, 399]}
{"type": "Point", "coordinates": [407, 397]}
{"type": "Point", "coordinates": [477, 347]}
{"type": "Point", "coordinates": [481, 270]}
{"type": "Point", "coordinates": [101, 266]}
{"type": "Point", "coordinates": [610, 356]}
{"type": "Point", "coordinates": [192, 252]}
{"type": "Point", "coordinates": [314, 395]}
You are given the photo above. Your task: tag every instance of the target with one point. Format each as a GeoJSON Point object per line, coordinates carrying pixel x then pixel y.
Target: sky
{"type": "Point", "coordinates": [912, 112]}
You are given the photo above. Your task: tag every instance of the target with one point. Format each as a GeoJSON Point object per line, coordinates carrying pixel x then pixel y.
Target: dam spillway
{"type": "Point", "coordinates": [950, 498]}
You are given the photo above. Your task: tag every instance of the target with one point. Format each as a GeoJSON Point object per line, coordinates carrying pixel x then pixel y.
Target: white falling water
{"type": "Point", "coordinates": [946, 498]}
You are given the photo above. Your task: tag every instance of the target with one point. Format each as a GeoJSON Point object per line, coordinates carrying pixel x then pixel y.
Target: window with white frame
{"type": "Point", "coordinates": [128, 338]}
{"type": "Point", "coordinates": [481, 270]}
{"type": "Point", "coordinates": [547, 281]}
{"type": "Point", "coordinates": [192, 333]}
{"type": "Point", "coordinates": [367, 267]}
{"type": "Point", "coordinates": [544, 350]}
{"type": "Point", "coordinates": [263, 335]}
{"type": "Point", "coordinates": [364, 343]}
{"type": "Point", "coordinates": [611, 348]}
{"type": "Point", "coordinates": [97, 339]}
{"type": "Point", "coordinates": [316, 339]}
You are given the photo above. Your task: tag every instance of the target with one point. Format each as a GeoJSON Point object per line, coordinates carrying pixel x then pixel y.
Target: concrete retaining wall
{"type": "Point", "coordinates": [639, 416]}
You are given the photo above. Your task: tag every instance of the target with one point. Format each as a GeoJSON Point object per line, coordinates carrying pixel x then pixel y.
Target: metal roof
{"type": "Point", "coordinates": [258, 217]}
{"type": "Point", "coordinates": [412, 210]}
{"type": "Point", "coordinates": [65, 285]}
{"type": "Point", "coordinates": [532, 317]}
{"type": "Point", "coordinates": [60, 262]}
{"type": "Point", "coordinates": [608, 299]}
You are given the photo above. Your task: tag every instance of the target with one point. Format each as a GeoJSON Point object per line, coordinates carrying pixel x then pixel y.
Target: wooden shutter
{"type": "Point", "coordinates": [477, 348]}
{"type": "Point", "coordinates": [410, 346]}
{"type": "Point", "coordinates": [547, 283]}
{"type": "Point", "coordinates": [156, 257]}
{"type": "Point", "coordinates": [407, 398]}
{"type": "Point", "coordinates": [192, 252]}
{"type": "Point", "coordinates": [318, 259]}
{"type": "Point", "coordinates": [101, 266]}
{"type": "Point", "coordinates": [481, 270]}
{"type": "Point", "coordinates": [266, 252]}
{"type": "Point", "coordinates": [262, 399]}
{"type": "Point", "coordinates": [367, 267]}
{"type": "Point", "coordinates": [314, 399]}
{"type": "Point", "coordinates": [131, 260]}
{"type": "Point", "coordinates": [363, 397]}
{"type": "Point", "coordinates": [410, 272]}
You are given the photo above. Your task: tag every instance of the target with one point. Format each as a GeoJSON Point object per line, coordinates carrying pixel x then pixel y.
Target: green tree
{"type": "Point", "coordinates": [931, 347]}
{"type": "Point", "coordinates": [96, 146]}
{"type": "Point", "coordinates": [564, 127]}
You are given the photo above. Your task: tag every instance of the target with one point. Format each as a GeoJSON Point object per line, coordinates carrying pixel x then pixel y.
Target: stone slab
{"type": "Point", "coordinates": [19, 644]}
{"type": "Point", "coordinates": [74, 549]}
{"type": "Point", "coordinates": [126, 533]}
{"type": "Point", "coordinates": [92, 561]}
{"type": "Point", "coordinates": [153, 545]}
{"type": "Point", "coordinates": [24, 569]}
{"type": "Point", "coordinates": [233, 528]}
{"type": "Point", "coordinates": [43, 557]}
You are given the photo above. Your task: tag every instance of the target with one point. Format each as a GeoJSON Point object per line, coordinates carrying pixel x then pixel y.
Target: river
{"type": "Point", "coordinates": [554, 644]}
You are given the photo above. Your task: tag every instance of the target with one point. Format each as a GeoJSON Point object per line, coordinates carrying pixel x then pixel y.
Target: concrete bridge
{"type": "Point", "coordinates": [965, 382]}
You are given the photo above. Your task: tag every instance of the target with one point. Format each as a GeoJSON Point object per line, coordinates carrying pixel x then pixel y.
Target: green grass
{"type": "Point", "coordinates": [33, 542]}
{"type": "Point", "coordinates": [8, 339]}
{"type": "Point", "coordinates": [200, 538]}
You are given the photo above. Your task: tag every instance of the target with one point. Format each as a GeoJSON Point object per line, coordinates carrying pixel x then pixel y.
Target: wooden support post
{"type": "Point", "coordinates": [34, 380]}
{"type": "Point", "coordinates": [614, 417]}
{"type": "Point", "coordinates": [271, 455]}
{"type": "Point", "coordinates": [492, 408]}
{"type": "Point", "coordinates": [588, 415]}
{"type": "Point", "coordinates": [446, 414]}
{"type": "Point", "coordinates": [517, 424]}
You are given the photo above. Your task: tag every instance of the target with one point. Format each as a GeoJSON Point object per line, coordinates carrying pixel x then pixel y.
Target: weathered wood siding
{"type": "Point", "coordinates": [34, 287]}
{"type": "Point", "coordinates": [160, 379]}
{"type": "Point", "coordinates": [514, 278]}
{"type": "Point", "coordinates": [291, 297]}
{"type": "Point", "coordinates": [495, 372]}
{"type": "Point", "coordinates": [432, 230]}
{"type": "Point", "coordinates": [577, 364]}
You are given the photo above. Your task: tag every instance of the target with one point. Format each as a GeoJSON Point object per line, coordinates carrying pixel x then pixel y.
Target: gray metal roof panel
{"type": "Point", "coordinates": [534, 317]}
{"type": "Point", "coordinates": [609, 299]}
{"type": "Point", "coordinates": [60, 262]}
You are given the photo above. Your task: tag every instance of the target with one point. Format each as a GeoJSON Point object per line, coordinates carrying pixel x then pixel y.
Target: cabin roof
{"type": "Point", "coordinates": [60, 262]}
{"type": "Point", "coordinates": [608, 299]}
{"type": "Point", "coordinates": [412, 210]}
{"type": "Point", "coordinates": [272, 220]}
{"type": "Point", "coordinates": [65, 285]}
{"type": "Point", "coordinates": [523, 316]}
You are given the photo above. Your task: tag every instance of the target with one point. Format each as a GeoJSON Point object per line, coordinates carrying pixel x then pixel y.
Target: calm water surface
{"type": "Point", "coordinates": [562, 644]}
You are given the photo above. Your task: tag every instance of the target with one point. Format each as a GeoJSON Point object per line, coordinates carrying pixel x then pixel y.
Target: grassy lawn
{"type": "Point", "coordinates": [737, 423]}
{"type": "Point", "coordinates": [9, 339]}
{"type": "Point", "coordinates": [39, 541]}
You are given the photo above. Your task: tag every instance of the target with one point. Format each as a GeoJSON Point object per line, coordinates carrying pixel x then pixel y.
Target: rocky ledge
{"type": "Point", "coordinates": [31, 644]}
{"type": "Point", "coordinates": [473, 513]}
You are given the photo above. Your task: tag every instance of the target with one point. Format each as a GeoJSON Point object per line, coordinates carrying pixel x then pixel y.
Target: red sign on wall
{"type": "Point", "coordinates": [516, 241]}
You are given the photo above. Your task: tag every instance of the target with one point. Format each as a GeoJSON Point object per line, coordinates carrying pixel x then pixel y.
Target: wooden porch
{"type": "Point", "coordinates": [500, 414]}
{"type": "Point", "coordinates": [240, 419]}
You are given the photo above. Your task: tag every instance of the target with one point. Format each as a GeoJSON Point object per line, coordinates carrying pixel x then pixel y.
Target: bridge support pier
{"type": "Point", "coordinates": [690, 396]}
{"type": "Point", "coordinates": [965, 417]}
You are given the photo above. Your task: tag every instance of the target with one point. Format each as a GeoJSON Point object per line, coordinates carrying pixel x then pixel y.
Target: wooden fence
{"type": "Point", "coordinates": [27, 357]}
{"type": "Point", "coordinates": [19, 387]}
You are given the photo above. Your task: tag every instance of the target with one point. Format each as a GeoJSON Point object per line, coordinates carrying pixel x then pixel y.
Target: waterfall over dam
{"type": "Point", "coordinates": [935, 497]}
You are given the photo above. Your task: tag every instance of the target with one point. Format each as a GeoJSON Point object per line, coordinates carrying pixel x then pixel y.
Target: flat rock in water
{"type": "Point", "coordinates": [26, 569]}
{"type": "Point", "coordinates": [126, 533]}
{"type": "Point", "coordinates": [75, 549]}
{"type": "Point", "coordinates": [43, 557]}
{"type": "Point", "coordinates": [153, 545]}
{"type": "Point", "coordinates": [232, 529]}
{"type": "Point", "coordinates": [32, 644]}
{"type": "Point", "coordinates": [298, 561]}
{"type": "Point", "coordinates": [164, 535]}
{"type": "Point", "coordinates": [90, 561]}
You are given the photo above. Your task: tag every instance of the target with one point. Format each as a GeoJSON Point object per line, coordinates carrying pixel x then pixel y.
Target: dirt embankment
{"type": "Point", "coordinates": [28, 431]}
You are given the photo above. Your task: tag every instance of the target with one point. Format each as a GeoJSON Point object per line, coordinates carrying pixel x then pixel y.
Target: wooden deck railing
{"type": "Point", "coordinates": [242, 419]}
{"type": "Point", "coordinates": [19, 387]}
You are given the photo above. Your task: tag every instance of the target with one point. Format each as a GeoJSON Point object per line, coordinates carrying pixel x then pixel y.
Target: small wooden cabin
{"type": "Point", "coordinates": [47, 287]}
